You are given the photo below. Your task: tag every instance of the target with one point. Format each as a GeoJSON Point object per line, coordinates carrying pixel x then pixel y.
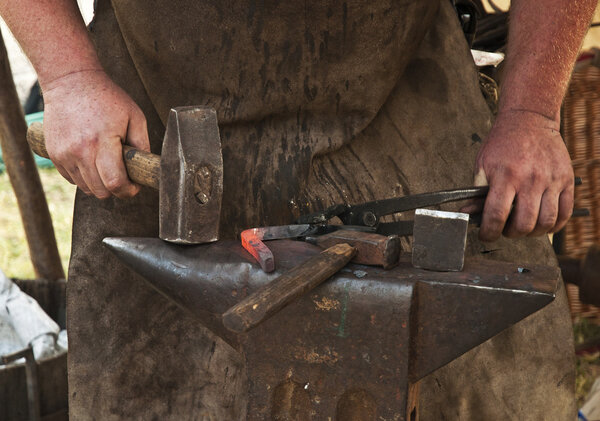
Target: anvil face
{"type": "Point", "coordinates": [355, 344]}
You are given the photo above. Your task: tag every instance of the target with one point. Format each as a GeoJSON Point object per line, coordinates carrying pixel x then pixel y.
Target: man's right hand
{"type": "Point", "coordinates": [87, 117]}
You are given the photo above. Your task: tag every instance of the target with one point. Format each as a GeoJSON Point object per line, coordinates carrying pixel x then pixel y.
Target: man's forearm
{"type": "Point", "coordinates": [53, 35]}
{"type": "Point", "coordinates": [524, 158]}
{"type": "Point", "coordinates": [544, 39]}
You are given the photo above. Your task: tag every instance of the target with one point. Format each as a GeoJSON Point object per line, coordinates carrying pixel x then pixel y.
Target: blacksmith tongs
{"type": "Point", "coordinates": [360, 217]}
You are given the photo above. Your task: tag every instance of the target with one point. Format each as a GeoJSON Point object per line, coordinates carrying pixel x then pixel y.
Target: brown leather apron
{"type": "Point", "coordinates": [319, 102]}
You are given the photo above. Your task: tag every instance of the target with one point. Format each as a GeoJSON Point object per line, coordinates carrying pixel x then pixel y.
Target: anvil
{"type": "Point", "coordinates": [355, 347]}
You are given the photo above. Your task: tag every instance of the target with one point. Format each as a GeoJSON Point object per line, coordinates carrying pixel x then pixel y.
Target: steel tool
{"type": "Point", "coordinates": [439, 240]}
{"type": "Point", "coordinates": [364, 215]}
{"type": "Point", "coordinates": [372, 248]}
{"type": "Point", "coordinates": [361, 217]}
{"type": "Point", "coordinates": [188, 174]}
{"type": "Point", "coordinates": [357, 345]}
{"type": "Point", "coordinates": [368, 214]}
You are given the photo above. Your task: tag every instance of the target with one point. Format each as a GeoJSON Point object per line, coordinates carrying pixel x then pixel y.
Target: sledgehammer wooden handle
{"type": "Point", "coordinates": [142, 167]}
{"type": "Point", "coordinates": [272, 297]}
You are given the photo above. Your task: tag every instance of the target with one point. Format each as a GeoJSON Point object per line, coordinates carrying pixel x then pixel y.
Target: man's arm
{"type": "Point", "coordinates": [86, 115]}
{"type": "Point", "coordinates": [524, 158]}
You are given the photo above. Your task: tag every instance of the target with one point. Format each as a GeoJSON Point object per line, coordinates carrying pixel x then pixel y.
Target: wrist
{"type": "Point", "coordinates": [527, 117]}
{"type": "Point", "coordinates": [76, 80]}
{"type": "Point", "coordinates": [71, 76]}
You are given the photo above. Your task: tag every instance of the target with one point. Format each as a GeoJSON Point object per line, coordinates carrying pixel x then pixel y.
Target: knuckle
{"type": "Point", "coordinates": [495, 217]}
{"type": "Point", "coordinates": [79, 148]}
{"type": "Point", "coordinates": [127, 193]}
{"type": "Point", "coordinates": [546, 224]}
{"type": "Point", "coordinates": [511, 172]}
{"type": "Point", "coordinates": [548, 221]}
{"type": "Point", "coordinates": [140, 116]}
{"type": "Point", "coordinates": [114, 184]}
{"type": "Point", "coordinates": [523, 226]}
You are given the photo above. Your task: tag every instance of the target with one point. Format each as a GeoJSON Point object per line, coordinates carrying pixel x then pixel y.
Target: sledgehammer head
{"type": "Point", "coordinates": [439, 240]}
{"type": "Point", "coordinates": [191, 177]}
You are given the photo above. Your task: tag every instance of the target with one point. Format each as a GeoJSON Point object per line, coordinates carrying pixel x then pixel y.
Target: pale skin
{"type": "Point", "coordinates": [523, 159]}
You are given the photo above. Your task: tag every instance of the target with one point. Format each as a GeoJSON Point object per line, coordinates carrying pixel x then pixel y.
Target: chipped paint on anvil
{"type": "Point", "coordinates": [326, 304]}
{"type": "Point", "coordinates": [328, 356]}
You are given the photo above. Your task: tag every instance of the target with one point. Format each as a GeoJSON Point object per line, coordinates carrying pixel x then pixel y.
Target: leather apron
{"type": "Point", "coordinates": [318, 102]}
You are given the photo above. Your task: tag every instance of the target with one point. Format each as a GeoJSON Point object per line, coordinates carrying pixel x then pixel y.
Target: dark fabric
{"type": "Point", "coordinates": [318, 103]}
{"type": "Point", "coordinates": [289, 81]}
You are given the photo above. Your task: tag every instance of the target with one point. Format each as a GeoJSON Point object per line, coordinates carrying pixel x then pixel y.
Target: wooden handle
{"type": "Point", "coordinates": [371, 249]}
{"type": "Point", "coordinates": [142, 167]}
{"type": "Point", "coordinates": [272, 297]}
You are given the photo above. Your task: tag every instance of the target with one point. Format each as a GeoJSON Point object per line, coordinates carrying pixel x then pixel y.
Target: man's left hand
{"type": "Point", "coordinates": [527, 166]}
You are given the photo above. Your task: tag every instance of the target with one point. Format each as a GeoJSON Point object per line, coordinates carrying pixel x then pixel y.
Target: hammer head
{"type": "Point", "coordinates": [439, 240]}
{"type": "Point", "coordinates": [191, 177]}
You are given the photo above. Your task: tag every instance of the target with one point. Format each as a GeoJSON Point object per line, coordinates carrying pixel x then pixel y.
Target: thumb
{"type": "Point", "coordinates": [137, 131]}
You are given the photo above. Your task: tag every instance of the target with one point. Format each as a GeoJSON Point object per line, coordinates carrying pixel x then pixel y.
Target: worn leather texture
{"type": "Point", "coordinates": [318, 103]}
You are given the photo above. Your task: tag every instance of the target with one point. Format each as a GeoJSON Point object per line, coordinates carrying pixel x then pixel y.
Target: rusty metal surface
{"type": "Point", "coordinates": [357, 341]}
{"type": "Point", "coordinates": [191, 177]}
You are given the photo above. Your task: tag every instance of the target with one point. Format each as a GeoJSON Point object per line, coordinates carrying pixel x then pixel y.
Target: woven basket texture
{"type": "Point", "coordinates": [580, 127]}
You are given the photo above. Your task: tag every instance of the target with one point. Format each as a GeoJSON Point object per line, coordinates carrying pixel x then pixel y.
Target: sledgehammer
{"type": "Point", "coordinates": [188, 174]}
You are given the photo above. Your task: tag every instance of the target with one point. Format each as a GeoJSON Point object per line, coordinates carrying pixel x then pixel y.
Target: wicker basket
{"type": "Point", "coordinates": [581, 131]}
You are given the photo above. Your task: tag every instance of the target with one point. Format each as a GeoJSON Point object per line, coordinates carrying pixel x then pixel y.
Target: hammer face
{"type": "Point", "coordinates": [439, 240]}
{"type": "Point", "coordinates": [191, 179]}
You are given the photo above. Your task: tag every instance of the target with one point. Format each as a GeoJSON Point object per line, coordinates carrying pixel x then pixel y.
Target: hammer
{"type": "Point", "coordinates": [188, 174]}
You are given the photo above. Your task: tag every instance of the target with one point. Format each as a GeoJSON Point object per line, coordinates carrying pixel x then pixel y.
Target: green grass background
{"type": "Point", "coordinates": [14, 253]}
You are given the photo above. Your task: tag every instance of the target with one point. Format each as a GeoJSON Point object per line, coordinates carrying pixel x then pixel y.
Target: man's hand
{"type": "Point", "coordinates": [528, 168]}
{"type": "Point", "coordinates": [524, 159]}
{"type": "Point", "coordinates": [86, 116]}
{"type": "Point", "coordinates": [86, 119]}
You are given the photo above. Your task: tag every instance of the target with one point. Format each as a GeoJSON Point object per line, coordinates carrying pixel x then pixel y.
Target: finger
{"type": "Point", "coordinates": [473, 206]}
{"type": "Point", "coordinates": [548, 213]}
{"type": "Point", "coordinates": [524, 216]}
{"type": "Point", "coordinates": [78, 179]}
{"type": "Point", "coordinates": [92, 179]}
{"type": "Point", "coordinates": [111, 168]}
{"type": "Point", "coordinates": [137, 131]}
{"type": "Point", "coordinates": [495, 212]}
{"type": "Point", "coordinates": [64, 173]}
{"type": "Point", "coordinates": [565, 209]}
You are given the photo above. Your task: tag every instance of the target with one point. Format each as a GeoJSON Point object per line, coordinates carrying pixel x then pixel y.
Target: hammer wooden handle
{"type": "Point", "coordinates": [272, 297]}
{"type": "Point", "coordinates": [142, 167]}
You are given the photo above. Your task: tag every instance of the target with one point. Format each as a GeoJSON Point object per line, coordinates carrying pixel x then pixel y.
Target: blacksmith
{"type": "Point", "coordinates": [319, 102]}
